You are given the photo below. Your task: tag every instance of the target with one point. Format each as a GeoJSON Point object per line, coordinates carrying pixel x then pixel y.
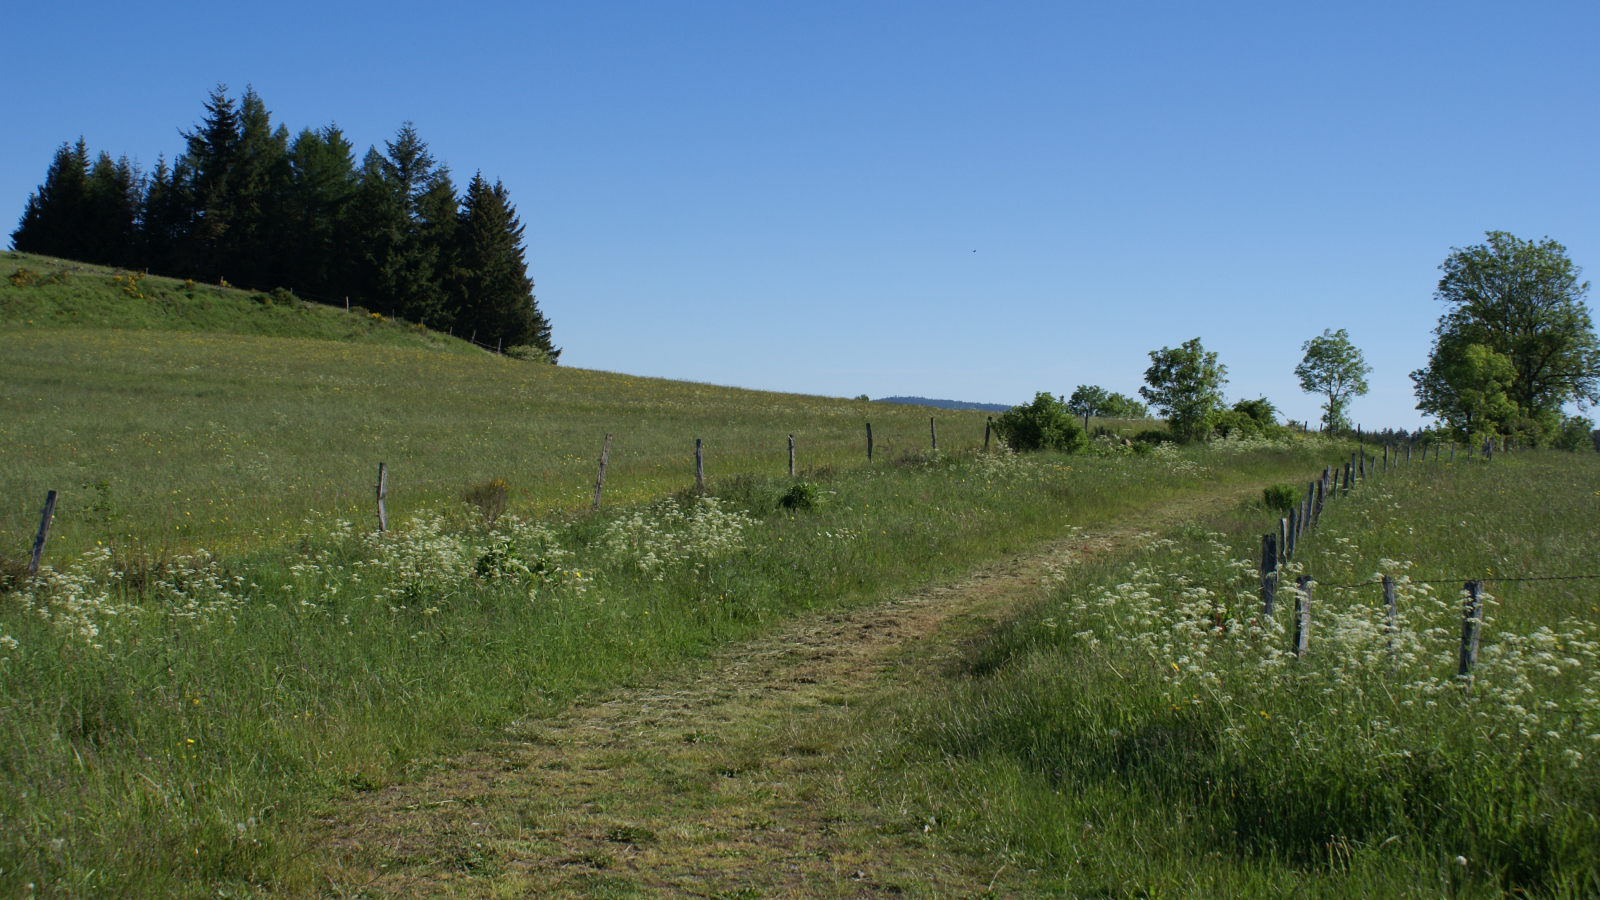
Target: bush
{"type": "Point", "coordinates": [1280, 497]}
{"type": "Point", "coordinates": [1152, 436]}
{"type": "Point", "coordinates": [801, 496]}
{"type": "Point", "coordinates": [1044, 424]}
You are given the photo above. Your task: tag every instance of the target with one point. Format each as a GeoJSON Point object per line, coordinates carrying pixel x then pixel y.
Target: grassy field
{"type": "Point", "coordinates": [220, 641]}
{"type": "Point", "coordinates": [1144, 731]}
{"type": "Point", "coordinates": [42, 293]}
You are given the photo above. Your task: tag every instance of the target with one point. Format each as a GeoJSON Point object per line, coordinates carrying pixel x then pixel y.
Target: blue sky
{"type": "Point", "coordinates": [975, 201]}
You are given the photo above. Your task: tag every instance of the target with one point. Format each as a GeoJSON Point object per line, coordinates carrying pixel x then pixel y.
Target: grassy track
{"type": "Point", "coordinates": [1143, 733]}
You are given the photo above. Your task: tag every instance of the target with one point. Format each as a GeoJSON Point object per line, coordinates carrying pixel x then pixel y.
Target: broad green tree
{"type": "Point", "coordinates": [1524, 302]}
{"type": "Point", "coordinates": [1334, 368]}
{"type": "Point", "coordinates": [1185, 384]}
{"type": "Point", "coordinates": [1121, 406]}
{"type": "Point", "coordinates": [1469, 388]}
{"type": "Point", "coordinates": [1088, 400]}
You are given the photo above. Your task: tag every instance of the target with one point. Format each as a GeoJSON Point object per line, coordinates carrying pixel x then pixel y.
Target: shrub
{"type": "Point", "coordinates": [1280, 497]}
{"type": "Point", "coordinates": [1153, 436]}
{"type": "Point", "coordinates": [23, 277]}
{"type": "Point", "coordinates": [489, 497]}
{"type": "Point", "coordinates": [1044, 424]}
{"type": "Point", "coordinates": [801, 496]}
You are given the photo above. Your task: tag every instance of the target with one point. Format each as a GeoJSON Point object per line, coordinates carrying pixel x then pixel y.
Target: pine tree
{"type": "Point", "coordinates": [258, 180]}
{"type": "Point", "coordinates": [52, 222]}
{"type": "Point", "coordinates": [165, 219]}
{"type": "Point", "coordinates": [493, 293]}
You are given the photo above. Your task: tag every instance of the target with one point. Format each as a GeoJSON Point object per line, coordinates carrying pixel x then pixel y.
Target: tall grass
{"type": "Point", "coordinates": [171, 722]}
{"type": "Point", "coordinates": [1145, 731]}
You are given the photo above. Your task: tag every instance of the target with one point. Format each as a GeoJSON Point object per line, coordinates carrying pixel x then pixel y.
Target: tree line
{"type": "Point", "coordinates": [249, 204]}
{"type": "Point", "coordinates": [1514, 347]}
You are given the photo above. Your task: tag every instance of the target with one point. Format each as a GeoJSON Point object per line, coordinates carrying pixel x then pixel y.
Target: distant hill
{"type": "Point", "coordinates": [946, 404]}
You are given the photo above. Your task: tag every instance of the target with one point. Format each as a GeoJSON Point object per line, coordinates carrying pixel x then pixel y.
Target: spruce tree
{"type": "Point", "coordinates": [322, 182]}
{"type": "Point", "coordinates": [399, 224]}
{"type": "Point", "coordinates": [110, 221]}
{"type": "Point", "coordinates": [208, 165]}
{"type": "Point", "coordinates": [493, 293]}
{"type": "Point", "coordinates": [52, 222]}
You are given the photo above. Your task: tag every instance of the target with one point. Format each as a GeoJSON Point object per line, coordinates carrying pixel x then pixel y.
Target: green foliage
{"type": "Point", "coordinates": [1044, 424]}
{"type": "Point", "coordinates": [802, 496]}
{"type": "Point", "coordinates": [1522, 303]}
{"type": "Point", "coordinates": [1333, 367]}
{"type": "Point", "coordinates": [1576, 435]}
{"type": "Point", "coordinates": [1467, 386]}
{"type": "Point", "coordinates": [243, 203]}
{"type": "Point", "coordinates": [1280, 497]}
{"type": "Point", "coordinates": [1093, 400]}
{"type": "Point", "coordinates": [1185, 384]}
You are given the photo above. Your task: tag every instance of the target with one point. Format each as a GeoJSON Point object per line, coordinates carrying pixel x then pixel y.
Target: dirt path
{"type": "Point", "coordinates": [722, 784]}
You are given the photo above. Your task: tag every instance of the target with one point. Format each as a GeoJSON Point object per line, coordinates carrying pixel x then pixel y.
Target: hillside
{"type": "Point", "coordinates": [40, 292]}
{"type": "Point", "coordinates": [945, 404]}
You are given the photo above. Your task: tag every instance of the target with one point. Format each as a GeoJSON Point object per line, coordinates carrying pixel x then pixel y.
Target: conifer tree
{"type": "Point", "coordinates": [494, 295]}
{"type": "Point", "coordinates": [110, 222]}
{"type": "Point", "coordinates": [208, 166]}
{"type": "Point", "coordinates": [322, 178]}
{"type": "Point", "coordinates": [401, 206]}
{"type": "Point", "coordinates": [52, 222]}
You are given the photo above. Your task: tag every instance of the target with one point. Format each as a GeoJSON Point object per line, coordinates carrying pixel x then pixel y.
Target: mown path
{"type": "Point", "coordinates": [723, 783]}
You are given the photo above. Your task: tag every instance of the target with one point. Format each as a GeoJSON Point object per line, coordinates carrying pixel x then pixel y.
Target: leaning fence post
{"type": "Point", "coordinates": [45, 516]}
{"type": "Point", "coordinates": [1269, 572]}
{"type": "Point", "coordinates": [1471, 626]}
{"type": "Point", "coordinates": [933, 433]}
{"type": "Point", "coordinates": [1302, 615]}
{"type": "Point", "coordinates": [382, 488]}
{"type": "Point", "coordinates": [791, 456]}
{"type": "Point", "coordinates": [869, 442]}
{"type": "Point", "coordinates": [600, 479]}
{"type": "Point", "coordinates": [986, 427]}
{"type": "Point", "coordinates": [699, 468]}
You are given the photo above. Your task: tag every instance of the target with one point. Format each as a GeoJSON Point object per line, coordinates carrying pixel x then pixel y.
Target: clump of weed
{"type": "Point", "coordinates": [23, 277]}
{"type": "Point", "coordinates": [1279, 496]}
{"type": "Point", "coordinates": [13, 569]}
{"type": "Point", "coordinates": [489, 497]}
{"type": "Point", "coordinates": [629, 834]}
{"type": "Point", "coordinates": [130, 284]}
{"type": "Point", "coordinates": [802, 495]}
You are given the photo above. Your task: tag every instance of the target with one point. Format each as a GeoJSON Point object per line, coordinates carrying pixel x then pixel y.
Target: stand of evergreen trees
{"type": "Point", "coordinates": [249, 204]}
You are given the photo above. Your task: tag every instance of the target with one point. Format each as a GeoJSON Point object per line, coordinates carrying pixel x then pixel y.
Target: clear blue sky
{"type": "Point", "coordinates": [975, 201]}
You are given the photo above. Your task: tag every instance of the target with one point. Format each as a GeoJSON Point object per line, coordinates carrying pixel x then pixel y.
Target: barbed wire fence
{"type": "Point", "coordinates": [1277, 550]}
{"type": "Point", "coordinates": [198, 518]}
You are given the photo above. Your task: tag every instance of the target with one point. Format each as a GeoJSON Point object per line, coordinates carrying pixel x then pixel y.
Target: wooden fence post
{"type": "Point", "coordinates": [699, 468]}
{"type": "Point", "coordinates": [1471, 626]}
{"type": "Point", "coordinates": [1391, 613]}
{"type": "Point", "coordinates": [1269, 572]}
{"type": "Point", "coordinates": [1362, 470]}
{"type": "Point", "coordinates": [382, 489]}
{"type": "Point", "coordinates": [933, 433]}
{"type": "Point", "coordinates": [986, 427]}
{"type": "Point", "coordinates": [46, 515]}
{"type": "Point", "coordinates": [1302, 616]}
{"type": "Point", "coordinates": [1285, 539]}
{"type": "Point", "coordinates": [600, 479]}
{"type": "Point", "coordinates": [1385, 459]}
{"type": "Point", "coordinates": [869, 442]}
{"type": "Point", "coordinates": [1305, 520]}
{"type": "Point", "coordinates": [1347, 474]}
{"type": "Point", "coordinates": [1452, 451]}
{"type": "Point", "coordinates": [1488, 450]}
{"type": "Point", "coordinates": [1316, 511]}
{"type": "Point", "coordinates": [1408, 452]}
{"type": "Point", "coordinates": [791, 456]}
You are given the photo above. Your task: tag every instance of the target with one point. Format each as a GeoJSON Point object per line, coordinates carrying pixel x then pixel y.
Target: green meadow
{"type": "Point", "coordinates": [1145, 731]}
